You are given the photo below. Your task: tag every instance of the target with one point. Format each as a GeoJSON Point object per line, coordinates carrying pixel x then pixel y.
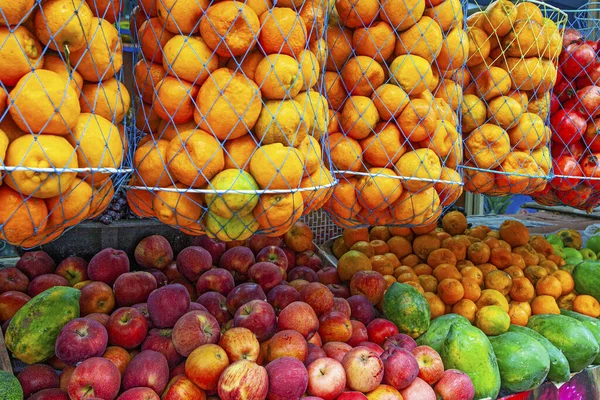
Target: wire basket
{"type": "Point", "coordinates": [575, 116]}
{"type": "Point", "coordinates": [511, 73]}
{"type": "Point", "coordinates": [63, 113]}
{"type": "Point", "coordinates": [231, 121]}
{"type": "Point", "coordinates": [394, 85]}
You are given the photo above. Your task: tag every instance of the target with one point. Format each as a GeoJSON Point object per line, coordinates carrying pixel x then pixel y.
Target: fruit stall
{"type": "Point", "coordinates": [299, 199]}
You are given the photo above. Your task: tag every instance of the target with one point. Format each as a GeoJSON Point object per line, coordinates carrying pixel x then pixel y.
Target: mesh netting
{"type": "Point", "coordinates": [514, 49]}
{"type": "Point", "coordinates": [63, 112]}
{"type": "Point", "coordinates": [393, 80]}
{"type": "Point", "coordinates": [231, 120]}
{"type": "Point", "coordinates": [575, 112]}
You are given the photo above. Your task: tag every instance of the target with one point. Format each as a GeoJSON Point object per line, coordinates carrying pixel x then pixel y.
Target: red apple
{"type": "Point", "coordinates": [281, 296]}
{"type": "Point", "coordinates": [205, 365]}
{"type": "Point", "coordinates": [275, 255]}
{"type": "Point", "coordinates": [328, 276]}
{"type": "Point", "coordinates": [161, 278]}
{"type": "Point", "coordinates": [341, 305]}
{"type": "Point", "coordinates": [119, 356]}
{"type": "Point", "coordinates": [182, 388]}
{"type": "Point", "coordinates": [215, 247]}
{"type": "Point", "coordinates": [336, 350]}
{"type": "Point", "coordinates": [44, 282]}
{"type": "Point", "coordinates": [288, 379]}
{"type": "Point", "coordinates": [401, 367]}
{"type": "Point", "coordinates": [300, 317]}
{"type": "Point", "coordinates": [127, 328]}
{"type": "Point", "coordinates": [455, 385]}
{"type": "Point", "coordinates": [240, 344]}
{"type": "Point", "coordinates": [401, 340]}
{"type": "Point", "coordinates": [287, 344]}
{"type": "Point", "coordinates": [238, 261]}
{"type": "Point", "coordinates": [258, 242]}
{"type": "Point", "coordinates": [167, 304]}
{"type": "Point", "coordinates": [291, 257]}
{"type": "Point", "coordinates": [133, 288]}
{"type": "Point", "coordinates": [10, 303]}
{"type": "Point", "coordinates": [196, 307]}
{"type": "Point", "coordinates": [362, 309]}
{"type": "Point", "coordinates": [310, 259]}
{"type": "Point", "coordinates": [139, 393]}
{"type": "Point", "coordinates": [299, 237]}
{"type": "Point", "coordinates": [143, 308]}
{"type": "Point", "coordinates": [298, 284]}
{"type": "Point", "coordinates": [316, 340]}
{"type": "Point", "coordinates": [259, 317]}
{"type": "Point", "coordinates": [50, 394]}
{"type": "Point", "coordinates": [419, 390]}
{"type": "Point", "coordinates": [370, 284]}
{"type": "Point", "coordinates": [189, 286]}
{"type": "Point", "coordinates": [65, 378]}
{"type": "Point", "coordinates": [55, 363]}
{"type": "Point", "coordinates": [335, 326]}
{"type": "Point", "coordinates": [317, 296]}
{"type": "Point", "coordinates": [161, 340]}
{"type": "Point", "coordinates": [95, 377]}
{"type": "Point", "coordinates": [11, 279]}
{"type": "Point", "coordinates": [37, 377]}
{"type": "Point", "coordinates": [80, 339]}
{"type": "Point", "coordinates": [359, 333]}
{"type": "Point", "coordinates": [377, 349]}
{"type": "Point", "coordinates": [153, 252]}
{"type": "Point", "coordinates": [147, 369]}
{"type": "Point", "coordinates": [171, 272]}
{"type": "Point", "coordinates": [380, 329]}
{"type": "Point", "coordinates": [178, 370]}
{"type": "Point", "coordinates": [107, 265]}
{"type": "Point", "coordinates": [243, 379]}
{"type": "Point", "coordinates": [243, 294]}
{"type": "Point", "coordinates": [35, 263]}
{"type": "Point", "coordinates": [355, 396]}
{"type": "Point", "coordinates": [364, 369]}
{"type": "Point", "coordinates": [73, 269]}
{"type": "Point", "coordinates": [431, 367]}
{"type": "Point", "coordinates": [193, 330]}
{"type": "Point", "coordinates": [303, 273]}
{"type": "Point", "coordinates": [98, 317]}
{"type": "Point", "coordinates": [383, 392]}
{"type": "Point", "coordinates": [192, 262]}
{"type": "Point", "coordinates": [326, 378]}
{"type": "Point", "coordinates": [96, 297]}
{"type": "Point", "coordinates": [216, 304]}
{"type": "Point", "coordinates": [314, 353]}
{"type": "Point", "coordinates": [265, 274]}
{"type": "Point", "coordinates": [339, 290]}
{"type": "Point", "coordinates": [216, 280]}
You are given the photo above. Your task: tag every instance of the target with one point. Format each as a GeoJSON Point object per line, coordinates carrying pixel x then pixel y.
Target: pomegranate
{"type": "Point", "coordinates": [590, 165]}
{"type": "Point", "coordinates": [577, 58]}
{"type": "Point", "coordinates": [587, 101]}
{"type": "Point", "coordinates": [567, 126]}
{"type": "Point", "coordinates": [571, 35]}
{"type": "Point", "coordinates": [568, 173]}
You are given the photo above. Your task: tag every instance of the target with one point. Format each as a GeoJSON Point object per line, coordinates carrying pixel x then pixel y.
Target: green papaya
{"type": "Point", "coordinates": [468, 349]}
{"type": "Point", "coordinates": [592, 324]}
{"type": "Point", "coordinates": [32, 332]}
{"type": "Point", "coordinates": [10, 388]}
{"type": "Point", "coordinates": [570, 336]}
{"type": "Point", "coordinates": [586, 275]}
{"type": "Point", "coordinates": [559, 365]}
{"type": "Point", "coordinates": [407, 309]}
{"type": "Point", "coordinates": [438, 330]}
{"type": "Point", "coordinates": [523, 362]}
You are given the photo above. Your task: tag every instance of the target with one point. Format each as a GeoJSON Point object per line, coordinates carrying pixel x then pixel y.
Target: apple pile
{"type": "Point", "coordinates": [270, 321]}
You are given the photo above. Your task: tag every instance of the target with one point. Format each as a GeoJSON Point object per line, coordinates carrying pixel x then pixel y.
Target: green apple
{"type": "Point", "coordinates": [588, 254]}
{"type": "Point", "coordinates": [593, 243]}
{"type": "Point", "coordinates": [559, 251]}
{"type": "Point", "coordinates": [572, 254]}
{"type": "Point", "coordinates": [555, 240]}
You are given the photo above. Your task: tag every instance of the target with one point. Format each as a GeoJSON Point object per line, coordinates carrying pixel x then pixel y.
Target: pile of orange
{"type": "Point", "coordinates": [513, 50]}
{"type": "Point", "coordinates": [462, 270]}
{"type": "Point", "coordinates": [393, 81]}
{"type": "Point", "coordinates": [228, 102]}
{"type": "Point", "coordinates": [61, 107]}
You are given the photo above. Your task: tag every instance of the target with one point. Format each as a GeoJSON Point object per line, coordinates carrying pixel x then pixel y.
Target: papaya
{"type": "Point", "coordinates": [32, 332]}
{"type": "Point", "coordinates": [438, 330]}
{"type": "Point", "coordinates": [570, 238]}
{"type": "Point", "coordinates": [468, 349]}
{"type": "Point", "coordinates": [407, 309]}
{"type": "Point", "coordinates": [592, 324]}
{"type": "Point", "coordinates": [10, 388]}
{"type": "Point", "coordinates": [523, 362]}
{"type": "Point", "coordinates": [586, 275]}
{"type": "Point", "coordinates": [570, 336]}
{"type": "Point", "coordinates": [559, 365]}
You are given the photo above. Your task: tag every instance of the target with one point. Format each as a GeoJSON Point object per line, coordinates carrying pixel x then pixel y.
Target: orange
{"type": "Point", "coordinates": [140, 202]}
{"type": "Point", "coordinates": [313, 15]}
{"type": "Point", "coordinates": [471, 288]}
{"type": "Point", "coordinates": [441, 256]}
{"type": "Point", "coordinates": [522, 174]}
{"type": "Point", "coordinates": [447, 14]}
{"type": "Point", "coordinates": [566, 302]}
{"type": "Point", "coordinates": [423, 269]}
{"type": "Point", "coordinates": [478, 181]}
{"type": "Point", "coordinates": [364, 247]}
{"type": "Point", "coordinates": [428, 283]}
{"type": "Point", "coordinates": [479, 46]}
{"type": "Point", "coordinates": [422, 164]}
{"type": "Point", "coordinates": [411, 260]}
{"type": "Point", "coordinates": [379, 189]}
{"type": "Point", "coordinates": [107, 9]}
{"type": "Point", "coordinates": [169, 131]}
{"type": "Point", "coordinates": [390, 101]}
{"type": "Point", "coordinates": [339, 43]}
{"type": "Point", "coordinates": [181, 16]}
{"type": "Point", "coordinates": [189, 59]}
{"type": "Point", "coordinates": [147, 120]}
{"type": "Point", "coordinates": [44, 102]}
{"type": "Point", "coordinates": [586, 305]}
{"type": "Point", "coordinates": [529, 133]}
{"type": "Point", "coordinates": [416, 208]}
{"type": "Point", "coordinates": [334, 88]}
{"type": "Point", "coordinates": [549, 285]}
{"type": "Point", "coordinates": [487, 146]}
{"type": "Point", "coordinates": [353, 235]}
{"type": "Point", "coordinates": [359, 117]}
{"type": "Point", "coordinates": [455, 49]}
{"type": "Point", "coordinates": [518, 315]}
{"type": "Point", "coordinates": [101, 198]}
{"type": "Point", "coordinates": [319, 49]}
{"type": "Point", "coordinates": [461, 264]}
{"type": "Point", "coordinates": [282, 31]}
{"type": "Point", "coordinates": [174, 100]}
{"type": "Point", "coordinates": [102, 58]}
{"type": "Point", "coordinates": [499, 17]}
{"type": "Point", "coordinates": [230, 28]}
{"type": "Point", "coordinates": [150, 163]}
{"type": "Point", "coordinates": [443, 271]}
{"type": "Point", "coordinates": [71, 207]}
{"type": "Point", "coordinates": [505, 112]}
{"type": "Point", "coordinates": [492, 82]}
{"type": "Point", "coordinates": [417, 121]}
{"type": "Point", "coordinates": [486, 268]}
{"type": "Point", "coordinates": [56, 26]}
{"type": "Point", "coordinates": [566, 281]}
{"type": "Point", "coordinates": [19, 53]}
{"type": "Point", "coordinates": [501, 257]}
{"type": "Point", "coordinates": [310, 69]}
{"type": "Point", "coordinates": [399, 246]}
{"type": "Point", "coordinates": [56, 64]}
{"type": "Point", "coordinates": [529, 11]}
{"type": "Point", "coordinates": [544, 305]}
{"type": "Point", "coordinates": [361, 75]}
{"type": "Point", "coordinates": [401, 15]}
{"type": "Point", "coordinates": [239, 151]}
{"type": "Point", "coordinates": [352, 262]}
{"type": "Point", "coordinates": [15, 11]}
{"type": "Point", "coordinates": [491, 297]}
{"type": "Point", "coordinates": [449, 187]}
{"type": "Point", "coordinates": [384, 148]}
{"type": "Point", "coordinates": [376, 41]}
{"type": "Point", "coordinates": [109, 99]}
{"type": "Point", "coordinates": [153, 37]}
{"type": "Point", "coordinates": [457, 247]}
{"type": "Point", "coordinates": [444, 141]}
{"type": "Point", "coordinates": [514, 272]}
{"type": "Point", "coordinates": [450, 92]}
{"type": "Point", "coordinates": [314, 199]}
{"type": "Point", "coordinates": [177, 208]}
{"type": "Point", "coordinates": [356, 15]}
{"type": "Point", "coordinates": [279, 76]}
{"type": "Point", "coordinates": [20, 218]}
{"type": "Point", "coordinates": [275, 211]}
{"type": "Point", "coordinates": [382, 264]}
{"type": "Point", "coordinates": [474, 112]}
{"type": "Point", "coordinates": [343, 202]}
{"type": "Point", "coordinates": [412, 73]}
{"type": "Point", "coordinates": [380, 233]}
{"type": "Point", "coordinates": [514, 233]}
{"type": "Point", "coordinates": [450, 291]}
{"type": "Point", "coordinates": [498, 280]}
{"type": "Point", "coordinates": [195, 157]}
{"type": "Point", "coordinates": [492, 320]}
{"type": "Point", "coordinates": [454, 222]}
{"type": "Point", "coordinates": [479, 253]}
{"type": "Point", "coordinates": [423, 39]}
{"type": "Point", "coordinates": [526, 39]}
{"type": "Point", "coordinates": [311, 152]}
{"type": "Point", "coordinates": [316, 113]}
{"type": "Point", "coordinates": [466, 308]}
{"type": "Point", "coordinates": [247, 64]}
{"type": "Point", "coordinates": [436, 305]}
{"type": "Point", "coordinates": [44, 151]}
{"type": "Point", "coordinates": [276, 166]}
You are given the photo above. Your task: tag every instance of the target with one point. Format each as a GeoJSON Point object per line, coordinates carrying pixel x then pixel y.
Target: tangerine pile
{"type": "Point", "coordinates": [61, 108]}
{"type": "Point", "coordinates": [465, 270]}
{"type": "Point", "coordinates": [393, 81]}
{"type": "Point", "coordinates": [229, 103]}
{"type": "Point", "coordinates": [513, 50]}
